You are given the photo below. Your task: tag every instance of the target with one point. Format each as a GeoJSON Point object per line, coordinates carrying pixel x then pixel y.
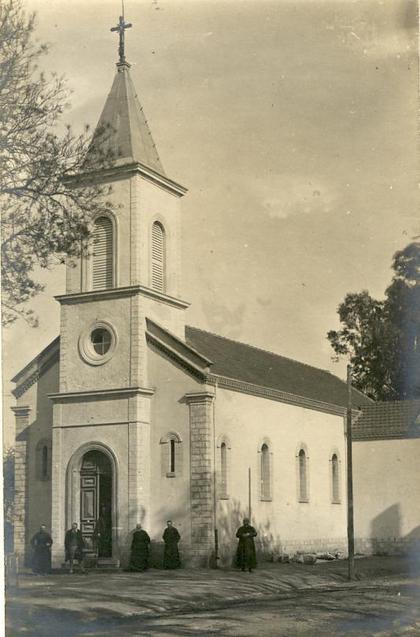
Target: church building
{"type": "Point", "coordinates": [133, 415]}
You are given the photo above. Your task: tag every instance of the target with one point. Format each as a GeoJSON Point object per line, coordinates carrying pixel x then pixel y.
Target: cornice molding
{"type": "Point", "coordinates": [102, 393]}
{"type": "Point", "coordinates": [132, 290]}
{"type": "Point", "coordinates": [172, 354]}
{"type": "Point", "coordinates": [199, 397]}
{"type": "Point", "coordinates": [371, 437]}
{"type": "Point", "coordinates": [21, 410]}
{"type": "Point", "coordinates": [175, 344]}
{"type": "Point", "coordinates": [128, 168]}
{"type": "Point", "coordinates": [275, 394]}
{"type": "Point", "coordinates": [84, 425]}
{"type": "Point", "coordinates": [22, 387]}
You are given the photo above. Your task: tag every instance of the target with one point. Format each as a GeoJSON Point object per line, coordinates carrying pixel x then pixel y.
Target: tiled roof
{"type": "Point", "coordinates": [393, 419]}
{"type": "Point", "coordinates": [249, 364]}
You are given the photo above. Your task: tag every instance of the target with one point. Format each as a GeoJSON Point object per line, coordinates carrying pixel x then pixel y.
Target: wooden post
{"type": "Point", "coordinates": [350, 519]}
{"type": "Point", "coordinates": [249, 494]}
{"type": "Point", "coordinates": [216, 548]}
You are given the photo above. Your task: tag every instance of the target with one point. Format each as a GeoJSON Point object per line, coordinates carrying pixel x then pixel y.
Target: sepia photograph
{"type": "Point", "coordinates": [210, 301]}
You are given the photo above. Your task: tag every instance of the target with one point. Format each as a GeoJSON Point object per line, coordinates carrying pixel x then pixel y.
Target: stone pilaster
{"type": "Point", "coordinates": [139, 459]}
{"type": "Point", "coordinates": [202, 476]}
{"type": "Point", "coordinates": [21, 469]}
{"type": "Point", "coordinates": [58, 521]}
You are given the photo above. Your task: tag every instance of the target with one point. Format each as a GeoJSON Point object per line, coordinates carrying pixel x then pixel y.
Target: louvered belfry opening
{"type": "Point", "coordinates": [103, 266]}
{"type": "Point", "coordinates": [158, 257]}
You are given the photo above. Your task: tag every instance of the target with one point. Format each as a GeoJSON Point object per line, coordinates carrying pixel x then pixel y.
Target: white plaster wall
{"type": "Point", "coordinates": [170, 496]}
{"type": "Point", "coordinates": [76, 373]}
{"type": "Point", "coordinates": [285, 522]}
{"type": "Point", "coordinates": [38, 492]}
{"type": "Point", "coordinates": [387, 489]}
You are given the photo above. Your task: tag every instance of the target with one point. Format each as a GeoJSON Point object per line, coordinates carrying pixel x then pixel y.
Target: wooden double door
{"type": "Point", "coordinates": [96, 503]}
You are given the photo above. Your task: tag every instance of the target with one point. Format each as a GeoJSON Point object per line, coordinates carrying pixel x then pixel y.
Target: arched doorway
{"type": "Point", "coordinates": [96, 502]}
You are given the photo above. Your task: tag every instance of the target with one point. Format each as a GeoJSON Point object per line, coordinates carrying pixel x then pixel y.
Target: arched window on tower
{"type": "Point", "coordinates": [265, 472]}
{"type": "Point", "coordinates": [335, 479]}
{"type": "Point", "coordinates": [158, 273]}
{"type": "Point", "coordinates": [103, 254]}
{"type": "Point", "coordinates": [303, 476]}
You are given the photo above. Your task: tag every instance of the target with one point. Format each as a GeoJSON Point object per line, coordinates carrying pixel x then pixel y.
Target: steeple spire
{"type": "Point", "coordinates": [121, 27]}
{"type": "Point", "coordinates": [122, 129]}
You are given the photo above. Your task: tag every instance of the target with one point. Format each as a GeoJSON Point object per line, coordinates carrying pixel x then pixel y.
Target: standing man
{"type": "Point", "coordinates": [41, 545]}
{"type": "Point", "coordinates": [245, 555]}
{"type": "Point", "coordinates": [74, 546]}
{"type": "Point", "coordinates": [139, 558]}
{"type": "Point", "coordinates": [171, 538]}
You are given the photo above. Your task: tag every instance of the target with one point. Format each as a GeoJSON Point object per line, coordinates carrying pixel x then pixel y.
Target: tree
{"type": "Point", "coordinates": [43, 214]}
{"type": "Point", "coordinates": [382, 338]}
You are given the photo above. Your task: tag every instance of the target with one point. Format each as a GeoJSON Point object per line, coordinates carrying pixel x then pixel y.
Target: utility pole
{"type": "Point", "coordinates": [350, 518]}
{"type": "Point", "coordinates": [249, 494]}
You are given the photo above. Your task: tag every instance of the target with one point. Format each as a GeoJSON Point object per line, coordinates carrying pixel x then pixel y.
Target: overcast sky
{"type": "Point", "coordinates": [293, 125]}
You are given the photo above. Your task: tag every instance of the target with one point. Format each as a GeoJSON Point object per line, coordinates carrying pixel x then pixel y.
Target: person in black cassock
{"type": "Point", "coordinates": [171, 538]}
{"type": "Point", "coordinates": [139, 558]}
{"type": "Point", "coordinates": [41, 545]}
{"type": "Point", "coordinates": [74, 545]}
{"type": "Point", "coordinates": [245, 555]}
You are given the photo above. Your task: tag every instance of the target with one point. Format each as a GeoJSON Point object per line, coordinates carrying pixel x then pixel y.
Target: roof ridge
{"type": "Point", "coordinates": [266, 351]}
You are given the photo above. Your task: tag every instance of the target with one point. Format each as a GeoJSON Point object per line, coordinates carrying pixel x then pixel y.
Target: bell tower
{"type": "Point", "coordinates": [131, 273]}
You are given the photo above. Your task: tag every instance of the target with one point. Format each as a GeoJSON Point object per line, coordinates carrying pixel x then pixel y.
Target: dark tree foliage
{"type": "Point", "coordinates": [43, 214]}
{"type": "Point", "coordinates": [382, 338]}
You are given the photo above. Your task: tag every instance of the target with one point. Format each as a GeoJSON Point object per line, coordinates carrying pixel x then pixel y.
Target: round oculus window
{"type": "Point", "coordinates": [101, 340]}
{"type": "Point", "coordinates": [97, 343]}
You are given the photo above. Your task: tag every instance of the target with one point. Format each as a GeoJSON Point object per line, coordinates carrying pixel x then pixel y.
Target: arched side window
{"type": "Point", "coordinates": [158, 265]}
{"type": "Point", "coordinates": [335, 479]}
{"type": "Point", "coordinates": [223, 467]}
{"type": "Point", "coordinates": [171, 455]}
{"type": "Point", "coordinates": [43, 460]}
{"type": "Point", "coordinates": [265, 472]}
{"type": "Point", "coordinates": [303, 476]}
{"type": "Point", "coordinates": [103, 254]}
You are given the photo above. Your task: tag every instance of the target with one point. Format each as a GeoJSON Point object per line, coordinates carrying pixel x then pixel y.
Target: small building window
{"type": "Point", "coordinates": [223, 467]}
{"type": "Point", "coordinates": [103, 254]}
{"type": "Point", "coordinates": [223, 470]}
{"type": "Point", "coordinates": [44, 467]}
{"type": "Point", "coordinates": [43, 460]}
{"type": "Point", "coordinates": [335, 479]}
{"type": "Point", "coordinates": [265, 473]}
{"type": "Point", "coordinates": [171, 455]}
{"type": "Point", "coordinates": [303, 476]}
{"type": "Point", "coordinates": [158, 265]}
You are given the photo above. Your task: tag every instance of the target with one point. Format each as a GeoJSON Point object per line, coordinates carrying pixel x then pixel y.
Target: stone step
{"type": "Point", "coordinates": [107, 562]}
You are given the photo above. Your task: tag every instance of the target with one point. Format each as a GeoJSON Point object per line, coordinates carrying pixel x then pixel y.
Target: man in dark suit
{"type": "Point", "coordinates": [74, 546]}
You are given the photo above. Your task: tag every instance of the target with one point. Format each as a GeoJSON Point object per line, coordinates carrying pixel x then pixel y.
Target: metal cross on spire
{"type": "Point", "coordinates": [121, 27]}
